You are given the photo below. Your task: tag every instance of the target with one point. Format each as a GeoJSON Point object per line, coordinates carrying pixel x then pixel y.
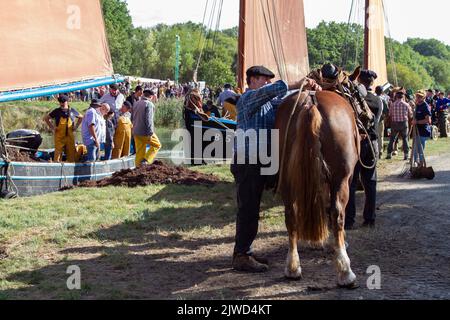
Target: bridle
{"type": "Point", "coordinates": [195, 105]}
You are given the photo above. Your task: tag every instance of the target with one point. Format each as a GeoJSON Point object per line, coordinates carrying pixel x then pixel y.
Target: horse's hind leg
{"type": "Point", "coordinates": [339, 200]}
{"type": "Point", "coordinates": [293, 269]}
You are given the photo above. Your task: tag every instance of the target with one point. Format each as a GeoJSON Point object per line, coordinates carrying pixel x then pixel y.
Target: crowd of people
{"type": "Point", "coordinates": [412, 115]}
{"type": "Point", "coordinates": [117, 125]}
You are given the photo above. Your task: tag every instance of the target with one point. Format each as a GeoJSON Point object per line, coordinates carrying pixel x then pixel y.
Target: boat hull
{"type": "Point", "coordinates": [221, 132]}
{"type": "Point", "coordinates": [31, 179]}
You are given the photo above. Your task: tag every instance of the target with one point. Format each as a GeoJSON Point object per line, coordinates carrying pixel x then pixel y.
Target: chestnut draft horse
{"type": "Point", "coordinates": [319, 144]}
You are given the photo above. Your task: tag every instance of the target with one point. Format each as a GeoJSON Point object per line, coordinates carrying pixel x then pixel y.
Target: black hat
{"type": "Point", "coordinates": [260, 71]}
{"type": "Point", "coordinates": [63, 98]}
{"type": "Point", "coordinates": [368, 75]}
{"type": "Point", "coordinates": [127, 104]}
{"type": "Point", "coordinates": [95, 103]}
{"type": "Point", "coordinates": [330, 71]}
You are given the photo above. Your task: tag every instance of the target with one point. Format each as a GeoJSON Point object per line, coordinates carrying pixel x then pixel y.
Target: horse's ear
{"type": "Point", "coordinates": [355, 74]}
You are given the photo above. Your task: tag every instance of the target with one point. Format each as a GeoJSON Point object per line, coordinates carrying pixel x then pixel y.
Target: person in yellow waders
{"type": "Point", "coordinates": [229, 109]}
{"type": "Point", "coordinates": [122, 138]}
{"type": "Point", "coordinates": [142, 117]}
{"type": "Point", "coordinates": [62, 122]}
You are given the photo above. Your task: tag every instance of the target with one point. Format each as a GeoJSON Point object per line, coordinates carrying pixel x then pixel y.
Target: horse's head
{"type": "Point", "coordinates": [355, 74]}
{"type": "Point", "coordinates": [194, 103]}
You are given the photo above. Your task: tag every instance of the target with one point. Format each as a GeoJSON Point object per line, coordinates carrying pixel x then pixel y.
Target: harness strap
{"type": "Point", "coordinates": [300, 94]}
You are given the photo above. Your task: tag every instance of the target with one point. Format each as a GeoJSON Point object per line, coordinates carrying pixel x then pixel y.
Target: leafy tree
{"type": "Point", "coordinates": [408, 78]}
{"type": "Point", "coordinates": [429, 48]}
{"type": "Point", "coordinates": [144, 55]}
{"type": "Point", "coordinates": [337, 43]}
{"type": "Point", "coordinates": [216, 73]}
{"type": "Point", "coordinates": [119, 29]}
{"type": "Point", "coordinates": [440, 70]}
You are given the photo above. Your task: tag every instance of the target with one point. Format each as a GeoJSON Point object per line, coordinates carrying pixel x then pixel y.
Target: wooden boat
{"type": "Point", "coordinates": [36, 178]}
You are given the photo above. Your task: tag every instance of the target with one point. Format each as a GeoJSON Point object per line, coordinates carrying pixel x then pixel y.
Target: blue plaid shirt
{"type": "Point", "coordinates": [256, 110]}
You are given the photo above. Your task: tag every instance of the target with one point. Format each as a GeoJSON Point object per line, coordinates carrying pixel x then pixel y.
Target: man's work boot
{"type": "Point", "coordinates": [246, 263]}
{"type": "Point", "coordinates": [260, 259]}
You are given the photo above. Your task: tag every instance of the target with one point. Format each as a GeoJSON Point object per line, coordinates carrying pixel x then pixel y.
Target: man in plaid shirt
{"type": "Point", "coordinates": [256, 111]}
{"type": "Point", "coordinates": [400, 113]}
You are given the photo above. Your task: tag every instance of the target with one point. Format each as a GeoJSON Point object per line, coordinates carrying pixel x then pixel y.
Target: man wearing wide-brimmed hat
{"type": "Point", "coordinates": [422, 119]}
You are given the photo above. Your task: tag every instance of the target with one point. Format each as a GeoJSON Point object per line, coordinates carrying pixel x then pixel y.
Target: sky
{"type": "Point", "coordinates": [407, 18]}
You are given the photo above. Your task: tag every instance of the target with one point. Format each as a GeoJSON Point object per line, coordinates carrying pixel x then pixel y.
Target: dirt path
{"type": "Point", "coordinates": [410, 245]}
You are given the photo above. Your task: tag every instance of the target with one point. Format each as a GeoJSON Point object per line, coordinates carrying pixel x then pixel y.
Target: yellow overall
{"type": "Point", "coordinates": [141, 147]}
{"type": "Point", "coordinates": [65, 139]}
{"type": "Point", "coordinates": [81, 150]}
{"type": "Point", "coordinates": [229, 110]}
{"type": "Point", "coordinates": [122, 138]}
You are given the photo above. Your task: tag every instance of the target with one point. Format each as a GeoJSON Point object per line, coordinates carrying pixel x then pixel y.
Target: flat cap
{"type": "Point", "coordinates": [368, 75]}
{"type": "Point", "coordinates": [256, 71]}
{"type": "Point", "coordinates": [95, 103]}
{"type": "Point", "coordinates": [63, 98]}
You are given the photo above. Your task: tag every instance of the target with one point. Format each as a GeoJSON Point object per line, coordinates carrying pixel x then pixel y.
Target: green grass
{"type": "Point", "coordinates": [38, 233]}
{"type": "Point", "coordinates": [433, 148]}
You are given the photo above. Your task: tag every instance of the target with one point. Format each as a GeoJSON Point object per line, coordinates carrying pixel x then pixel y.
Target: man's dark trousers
{"type": "Point", "coordinates": [442, 118]}
{"type": "Point", "coordinates": [369, 181]}
{"type": "Point", "coordinates": [250, 186]}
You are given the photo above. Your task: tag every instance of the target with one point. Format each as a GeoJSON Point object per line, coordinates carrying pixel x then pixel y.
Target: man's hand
{"type": "Point", "coordinates": [97, 144]}
{"type": "Point", "coordinates": [311, 84]}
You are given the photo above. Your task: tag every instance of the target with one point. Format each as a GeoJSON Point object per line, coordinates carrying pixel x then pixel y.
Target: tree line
{"type": "Point", "coordinates": [151, 52]}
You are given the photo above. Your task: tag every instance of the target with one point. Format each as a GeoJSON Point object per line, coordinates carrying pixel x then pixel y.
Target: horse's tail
{"type": "Point", "coordinates": [308, 171]}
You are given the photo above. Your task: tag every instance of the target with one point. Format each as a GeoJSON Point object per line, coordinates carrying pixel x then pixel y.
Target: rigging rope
{"type": "Point", "coordinates": [345, 47]}
{"type": "Point", "coordinates": [274, 32]}
{"type": "Point", "coordinates": [359, 19]}
{"type": "Point", "coordinates": [215, 15]}
{"type": "Point", "coordinates": [219, 17]}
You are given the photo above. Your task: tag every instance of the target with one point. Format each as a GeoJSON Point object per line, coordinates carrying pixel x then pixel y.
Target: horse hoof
{"type": "Point", "coordinates": [348, 281]}
{"type": "Point", "coordinates": [351, 286]}
{"type": "Point", "coordinates": [293, 275]}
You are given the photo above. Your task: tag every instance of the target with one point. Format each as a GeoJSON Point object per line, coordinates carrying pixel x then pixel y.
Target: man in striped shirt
{"type": "Point", "coordinates": [400, 114]}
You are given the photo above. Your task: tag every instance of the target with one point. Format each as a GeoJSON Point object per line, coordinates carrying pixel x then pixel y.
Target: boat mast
{"type": "Point", "coordinates": [241, 46]}
{"type": "Point", "coordinates": [366, 35]}
{"type": "Point", "coordinates": [374, 40]}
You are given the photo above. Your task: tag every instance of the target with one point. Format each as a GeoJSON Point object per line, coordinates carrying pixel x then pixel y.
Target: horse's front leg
{"type": "Point", "coordinates": [339, 200]}
{"type": "Point", "coordinates": [293, 269]}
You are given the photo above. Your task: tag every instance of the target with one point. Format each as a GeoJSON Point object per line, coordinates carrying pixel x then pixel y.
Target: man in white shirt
{"type": "Point", "coordinates": [115, 100]}
{"type": "Point", "coordinates": [93, 129]}
{"type": "Point", "coordinates": [225, 95]}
